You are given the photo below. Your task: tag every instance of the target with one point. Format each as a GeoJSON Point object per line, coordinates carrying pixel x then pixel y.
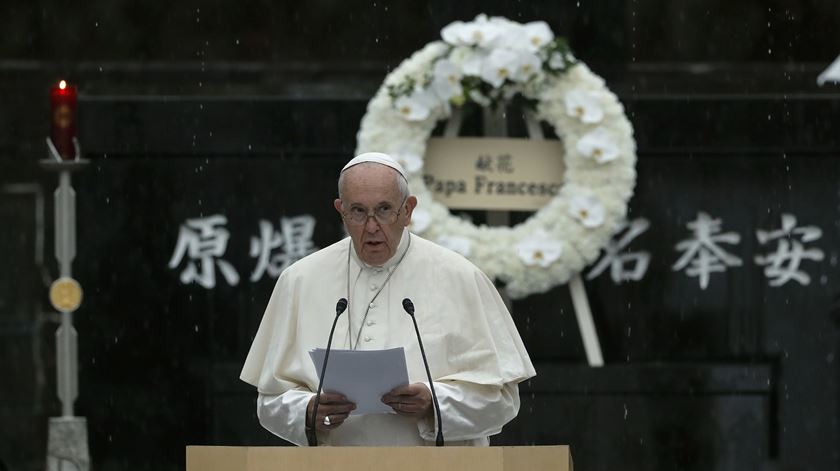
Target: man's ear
{"type": "Point", "coordinates": [337, 205]}
{"type": "Point", "coordinates": [410, 204]}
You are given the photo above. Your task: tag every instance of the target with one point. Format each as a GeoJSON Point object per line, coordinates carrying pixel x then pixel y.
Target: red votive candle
{"type": "Point", "coordinates": [63, 117]}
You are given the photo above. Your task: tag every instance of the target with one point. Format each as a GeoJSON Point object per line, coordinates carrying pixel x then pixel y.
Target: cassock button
{"type": "Point", "coordinates": [372, 287]}
{"type": "Point", "coordinates": [372, 305]}
{"type": "Point", "coordinates": [371, 322]}
{"type": "Point", "coordinates": [368, 339]}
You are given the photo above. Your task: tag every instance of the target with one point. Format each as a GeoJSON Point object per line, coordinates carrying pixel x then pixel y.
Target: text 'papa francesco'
{"type": "Point", "coordinates": [483, 185]}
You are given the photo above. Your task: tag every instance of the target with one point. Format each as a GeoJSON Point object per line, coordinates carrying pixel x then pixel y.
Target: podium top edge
{"type": "Point", "coordinates": [263, 447]}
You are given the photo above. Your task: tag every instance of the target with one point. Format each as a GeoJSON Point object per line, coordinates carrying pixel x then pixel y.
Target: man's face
{"type": "Point", "coordinates": [374, 188]}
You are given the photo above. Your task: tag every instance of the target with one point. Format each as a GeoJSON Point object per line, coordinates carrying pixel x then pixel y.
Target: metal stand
{"type": "Point", "coordinates": [495, 125]}
{"type": "Point", "coordinates": [67, 444]}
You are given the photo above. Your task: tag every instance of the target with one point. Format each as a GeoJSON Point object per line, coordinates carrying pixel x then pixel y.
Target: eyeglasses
{"type": "Point", "coordinates": [383, 214]}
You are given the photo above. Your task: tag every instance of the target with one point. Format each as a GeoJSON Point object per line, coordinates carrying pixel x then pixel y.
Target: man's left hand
{"type": "Point", "coordinates": [412, 400]}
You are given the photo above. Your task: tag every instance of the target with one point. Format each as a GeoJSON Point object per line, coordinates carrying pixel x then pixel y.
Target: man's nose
{"type": "Point", "coordinates": [371, 224]}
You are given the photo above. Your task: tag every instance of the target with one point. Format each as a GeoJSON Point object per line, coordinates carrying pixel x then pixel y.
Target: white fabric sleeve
{"type": "Point", "coordinates": [471, 411]}
{"type": "Point", "coordinates": [284, 414]}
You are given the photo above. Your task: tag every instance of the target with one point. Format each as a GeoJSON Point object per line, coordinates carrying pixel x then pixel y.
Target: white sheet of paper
{"type": "Point", "coordinates": [363, 376]}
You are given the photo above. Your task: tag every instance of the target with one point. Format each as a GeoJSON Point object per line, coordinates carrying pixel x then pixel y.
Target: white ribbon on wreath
{"type": "Point", "coordinates": [487, 61]}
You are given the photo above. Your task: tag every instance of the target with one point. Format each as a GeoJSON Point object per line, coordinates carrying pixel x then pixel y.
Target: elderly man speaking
{"type": "Point", "coordinates": [475, 354]}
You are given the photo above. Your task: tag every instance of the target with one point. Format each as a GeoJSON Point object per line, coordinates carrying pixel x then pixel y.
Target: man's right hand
{"type": "Point", "coordinates": [332, 405]}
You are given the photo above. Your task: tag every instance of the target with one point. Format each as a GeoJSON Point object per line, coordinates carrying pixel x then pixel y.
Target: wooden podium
{"type": "Point", "coordinates": [503, 458]}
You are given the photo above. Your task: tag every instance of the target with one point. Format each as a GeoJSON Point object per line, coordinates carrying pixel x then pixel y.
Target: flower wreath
{"type": "Point", "coordinates": [490, 61]}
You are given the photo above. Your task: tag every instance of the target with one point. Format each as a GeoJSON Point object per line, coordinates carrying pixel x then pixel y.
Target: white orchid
{"type": "Point", "coordinates": [458, 244]}
{"type": "Point", "coordinates": [584, 106]}
{"type": "Point", "coordinates": [417, 106]}
{"type": "Point", "coordinates": [510, 35]}
{"type": "Point", "coordinates": [530, 37]}
{"type": "Point", "coordinates": [587, 209]}
{"type": "Point", "coordinates": [539, 249]}
{"type": "Point", "coordinates": [529, 66]}
{"type": "Point", "coordinates": [481, 33]}
{"type": "Point", "coordinates": [473, 64]}
{"type": "Point", "coordinates": [420, 220]}
{"type": "Point", "coordinates": [468, 59]}
{"type": "Point", "coordinates": [538, 34]}
{"type": "Point", "coordinates": [453, 33]}
{"type": "Point", "coordinates": [410, 161]}
{"type": "Point", "coordinates": [831, 74]}
{"type": "Point", "coordinates": [505, 29]}
{"type": "Point", "coordinates": [446, 80]}
{"type": "Point", "coordinates": [598, 145]}
{"type": "Point", "coordinates": [499, 66]}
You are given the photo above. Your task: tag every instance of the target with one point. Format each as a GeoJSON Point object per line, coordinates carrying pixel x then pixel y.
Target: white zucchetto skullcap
{"type": "Point", "coordinates": [377, 157]}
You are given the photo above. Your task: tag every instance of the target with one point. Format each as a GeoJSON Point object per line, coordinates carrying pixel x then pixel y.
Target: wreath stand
{"type": "Point", "coordinates": [495, 125]}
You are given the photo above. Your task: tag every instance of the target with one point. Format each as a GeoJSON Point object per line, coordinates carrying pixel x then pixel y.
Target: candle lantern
{"type": "Point", "coordinates": [63, 120]}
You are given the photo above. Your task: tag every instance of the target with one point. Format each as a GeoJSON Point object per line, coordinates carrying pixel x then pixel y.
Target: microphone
{"type": "Point", "coordinates": [409, 308]}
{"type": "Point", "coordinates": [311, 436]}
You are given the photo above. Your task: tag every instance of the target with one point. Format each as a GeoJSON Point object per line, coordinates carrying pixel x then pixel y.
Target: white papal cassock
{"type": "Point", "coordinates": [475, 354]}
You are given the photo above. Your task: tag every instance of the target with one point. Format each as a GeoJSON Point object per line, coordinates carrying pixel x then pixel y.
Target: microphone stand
{"type": "Point", "coordinates": [311, 432]}
{"type": "Point", "coordinates": [409, 308]}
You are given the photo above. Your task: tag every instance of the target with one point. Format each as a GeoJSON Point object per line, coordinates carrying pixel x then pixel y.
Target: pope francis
{"type": "Point", "coordinates": [475, 354]}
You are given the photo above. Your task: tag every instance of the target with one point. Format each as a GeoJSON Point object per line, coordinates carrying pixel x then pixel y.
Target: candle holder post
{"type": "Point", "coordinates": [67, 443]}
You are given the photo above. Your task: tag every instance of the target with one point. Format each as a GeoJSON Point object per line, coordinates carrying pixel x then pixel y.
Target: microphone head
{"type": "Point", "coordinates": [340, 306]}
{"type": "Point", "coordinates": [408, 306]}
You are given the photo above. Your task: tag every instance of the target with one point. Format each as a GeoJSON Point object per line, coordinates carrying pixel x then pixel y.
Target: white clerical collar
{"type": "Point", "coordinates": [391, 262]}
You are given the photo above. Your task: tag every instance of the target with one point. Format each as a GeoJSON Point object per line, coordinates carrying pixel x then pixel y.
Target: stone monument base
{"type": "Point", "coordinates": [67, 445]}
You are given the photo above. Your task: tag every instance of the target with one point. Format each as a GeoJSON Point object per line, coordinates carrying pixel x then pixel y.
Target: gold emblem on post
{"type": "Point", "coordinates": [66, 294]}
